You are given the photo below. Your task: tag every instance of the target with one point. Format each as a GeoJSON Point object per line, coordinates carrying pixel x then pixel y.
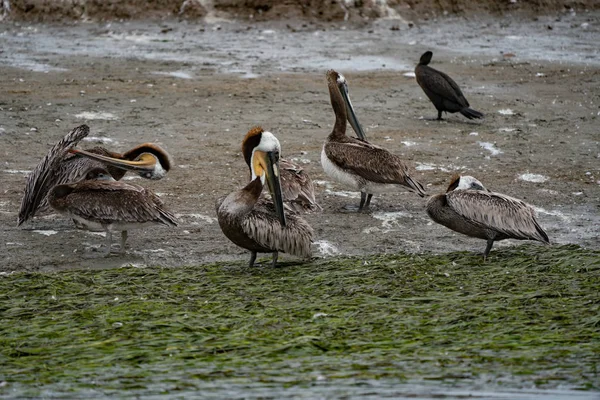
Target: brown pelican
{"type": "Point", "coordinates": [469, 208]}
{"type": "Point", "coordinates": [443, 92]}
{"type": "Point", "coordinates": [254, 222]}
{"type": "Point", "coordinates": [354, 162]}
{"type": "Point", "coordinates": [99, 202]}
{"type": "Point", "coordinates": [60, 166]}
{"type": "Point", "coordinates": [297, 188]}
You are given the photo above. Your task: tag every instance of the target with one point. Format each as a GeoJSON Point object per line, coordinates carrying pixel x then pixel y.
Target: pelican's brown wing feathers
{"type": "Point", "coordinates": [297, 187]}
{"type": "Point", "coordinates": [106, 202]}
{"type": "Point", "coordinates": [263, 226]}
{"type": "Point", "coordinates": [372, 163]}
{"type": "Point", "coordinates": [48, 173]}
{"type": "Point", "coordinates": [502, 213]}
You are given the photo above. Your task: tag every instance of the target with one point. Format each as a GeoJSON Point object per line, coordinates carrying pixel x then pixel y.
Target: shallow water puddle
{"type": "Point", "coordinates": [554, 213]}
{"type": "Point", "coordinates": [98, 139]}
{"type": "Point", "coordinates": [175, 74]}
{"type": "Point", "coordinates": [536, 178]}
{"type": "Point", "coordinates": [326, 248]}
{"type": "Point", "coordinates": [506, 111]}
{"type": "Point", "coordinates": [202, 217]}
{"type": "Point", "coordinates": [390, 220]}
{"type": "Point", "coordinates": [92, 115]}
{"type": "Point", "coordinates": [491, 147]}
{"type": "Point", "coordinates": [343, 193]}
{"type": "Point", "coordinates": [430, 167]}
{"type": "Point", "coordinates": [45, 232]}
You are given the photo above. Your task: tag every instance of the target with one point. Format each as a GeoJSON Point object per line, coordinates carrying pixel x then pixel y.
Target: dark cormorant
{"type": "Point", "coordinates": [443, 92]}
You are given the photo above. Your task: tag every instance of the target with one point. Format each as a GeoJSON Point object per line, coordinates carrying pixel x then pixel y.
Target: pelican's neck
{"type": "Point", "coordinates": [339, 108]}
{"type": "Point", "coordinates": [241, 202]}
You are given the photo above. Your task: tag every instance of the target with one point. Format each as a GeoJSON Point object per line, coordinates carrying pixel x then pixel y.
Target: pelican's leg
{"type": "Point", "coordinates": [252, 259]}
{"type": "Point", "coordinates": [275, 256]}
{"type": "Point", "coordinates": [369, 196]}
{"type": "Point", "coordinates": [490, 243]}
{"type": "Point", "coordinates": [108, 242]}
{"type": "Point", "coordinates": [439, 115]}
{"type": "Point", "coordinates": [123, 240]}
{"type": "Point", "coordinates": [363, 198]}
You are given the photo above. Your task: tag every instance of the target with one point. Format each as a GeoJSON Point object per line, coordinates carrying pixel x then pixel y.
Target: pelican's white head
{"type": "Point", "coordinates": [469, 183]}
{"type": "Point", "coordinates": [466, 182]}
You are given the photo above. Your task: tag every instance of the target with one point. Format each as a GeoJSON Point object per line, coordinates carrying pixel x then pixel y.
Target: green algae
{"type": "Point", "coordinates": [529, 316]}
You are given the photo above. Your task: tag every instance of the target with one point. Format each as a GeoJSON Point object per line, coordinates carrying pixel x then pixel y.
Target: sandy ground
{"type": "Point", "coordinates": [196, 88]}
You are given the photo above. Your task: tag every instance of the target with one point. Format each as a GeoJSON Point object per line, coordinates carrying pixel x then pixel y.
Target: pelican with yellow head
{"type": "Point", "coordinates": [255, 222]}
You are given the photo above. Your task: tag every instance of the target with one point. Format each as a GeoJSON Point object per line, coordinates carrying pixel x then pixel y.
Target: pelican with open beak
{"type": "Point", "coordinates": [254, 222]}
{"type": "Point", "coordinates": [356, 163]}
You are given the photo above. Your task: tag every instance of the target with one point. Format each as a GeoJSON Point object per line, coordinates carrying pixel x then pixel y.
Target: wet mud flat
{"type": "Point", "coordinates": [196, 89]}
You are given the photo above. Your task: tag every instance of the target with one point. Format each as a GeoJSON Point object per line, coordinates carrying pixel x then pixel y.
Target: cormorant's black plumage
{"type": "Point", "coordinates": [443, 92]}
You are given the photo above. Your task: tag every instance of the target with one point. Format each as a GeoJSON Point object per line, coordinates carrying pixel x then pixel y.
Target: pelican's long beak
{"type": "Point", "coordinates": [145, 163]}
{"type": "Point", "coordinates": [350, 113]}
{"type": "Point", "coordinates": [275, 185]}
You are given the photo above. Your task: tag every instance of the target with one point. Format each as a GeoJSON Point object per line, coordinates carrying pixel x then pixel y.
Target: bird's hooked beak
{"type": "Point", "coordinates": [343, 86]}
{"type": "Point", "coordinates": [272, 161]}
{"type": "Point", "coordinates": [146, 163]}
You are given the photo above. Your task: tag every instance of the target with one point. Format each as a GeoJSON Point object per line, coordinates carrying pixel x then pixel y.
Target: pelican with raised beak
{"type": "Point", "coordinates": [256, 223]}
{"type": "Point", "coordinates": [469, 208]}
{"type": "Point", "coordinates": [64, 164]}
{"type": "Point", "coordinates": [355, 163]}
{"type": "Point", "coordinates": [99, 202]}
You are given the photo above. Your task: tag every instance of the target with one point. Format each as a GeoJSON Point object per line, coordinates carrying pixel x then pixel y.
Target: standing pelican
{"type": "Point", "coordinates": [258, 224]}
{"type": "Point", "coordinates": [297, 189]}
{"type": "Point", "coordinates": [99, 202]}
{"type": "Point", "coordinates": [443, 92]}
{"type": "Point", "coordinates": [355, 162]}
{"type": "Point", "coordinates": [64, 164]}
{"type": "Point", "coordinates": [469, 208]}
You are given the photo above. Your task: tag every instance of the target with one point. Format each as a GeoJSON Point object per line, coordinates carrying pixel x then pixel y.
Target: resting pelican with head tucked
{"type": "Point", "coordinates": [258, 224]}
{"type": "Point", "coordinates": [64, 164]}
{"type": "Point", "coordinates": [98, 202]}
{"type": "Point", "coordinates": [355, 162]}
{"type": "Point", "coordinates": [469, 208]}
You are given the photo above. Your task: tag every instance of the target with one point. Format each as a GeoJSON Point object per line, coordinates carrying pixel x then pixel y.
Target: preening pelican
{"type": "Point", "coordinates": [469, 208]}
{"type": "Point", "coordinates": [443, 92]}
{"type": "Point", "coordinates": [99, 202]}
{"type": "Point", "coordinates": [297, 189]}
{"type": "Point", "coordinates": [64, 164]}
{"type": "Point", "coordinates": [254, 222]}
{"type": "Point", "coordinates": [354, 162]}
